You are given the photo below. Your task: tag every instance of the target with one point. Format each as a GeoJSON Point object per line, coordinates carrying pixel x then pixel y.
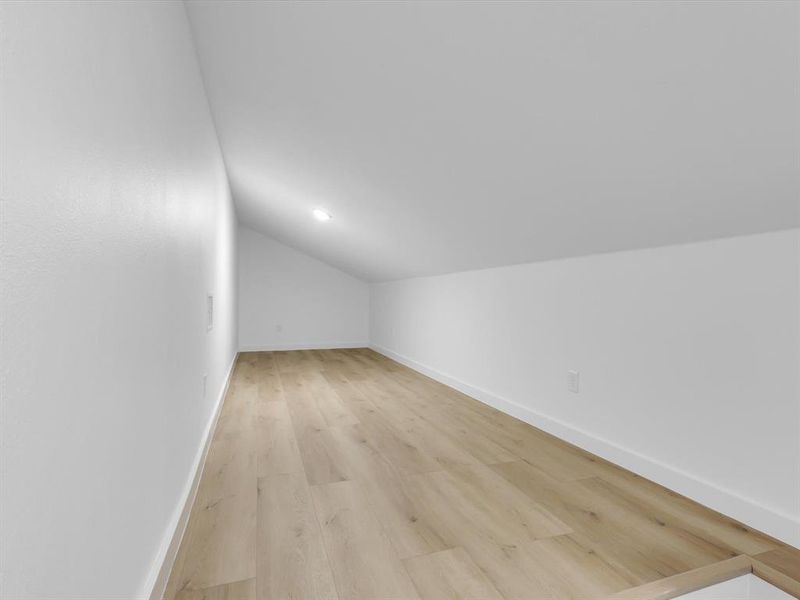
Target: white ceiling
{"type": "Point", "coordinates": [446, 136]}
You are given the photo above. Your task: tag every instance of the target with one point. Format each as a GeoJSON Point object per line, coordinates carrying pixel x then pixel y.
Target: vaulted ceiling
{"type": "Point", "coordinates": [445, 136]}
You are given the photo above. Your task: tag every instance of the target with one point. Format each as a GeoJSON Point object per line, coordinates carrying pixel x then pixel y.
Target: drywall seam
{"type": "Point", "coordinates": [165, 559]}
{"type": "Point", "coordinates": [772, 522]}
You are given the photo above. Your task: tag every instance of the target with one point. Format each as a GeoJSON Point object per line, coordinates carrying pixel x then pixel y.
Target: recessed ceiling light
{"type": "Point", "coordinates": [320, 215]}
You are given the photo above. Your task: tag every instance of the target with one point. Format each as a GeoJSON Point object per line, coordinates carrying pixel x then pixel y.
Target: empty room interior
{"type": "Point", "coordinates": [399, 300]}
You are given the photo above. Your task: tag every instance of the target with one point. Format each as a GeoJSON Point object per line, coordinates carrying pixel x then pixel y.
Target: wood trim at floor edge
{"type": "Point", "coordinates": [696, 579]}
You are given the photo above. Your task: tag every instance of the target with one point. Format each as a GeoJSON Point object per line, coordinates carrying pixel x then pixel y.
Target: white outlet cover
{"type": "Point", "coordinates": [573, 381]}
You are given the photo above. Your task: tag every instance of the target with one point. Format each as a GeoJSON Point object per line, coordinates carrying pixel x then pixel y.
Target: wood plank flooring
{"type": "Point", "coordinates": [340, 474]}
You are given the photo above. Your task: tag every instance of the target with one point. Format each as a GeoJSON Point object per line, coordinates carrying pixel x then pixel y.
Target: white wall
{"type": "Point", "coordinates": [116, 221]}
{"type": "Point", "coordinates": [289, 300]}
{"type": "Point", "coordinates": [688, 359]}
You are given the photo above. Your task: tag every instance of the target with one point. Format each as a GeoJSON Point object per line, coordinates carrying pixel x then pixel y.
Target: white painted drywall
{"type": "Point", "coordinates": [116, 222]}
{"type": "Point", "coordinates": [447, 136]}
{"type": "Point", "coordinates": [289, 300]}
{"type": "Point", "coordinates": [688, 358]}
{"type": "Point", "coordinates": [737, 588]}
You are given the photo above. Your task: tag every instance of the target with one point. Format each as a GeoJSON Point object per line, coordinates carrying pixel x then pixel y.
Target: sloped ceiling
{"type": "Point", "coordinates": [446, 136]}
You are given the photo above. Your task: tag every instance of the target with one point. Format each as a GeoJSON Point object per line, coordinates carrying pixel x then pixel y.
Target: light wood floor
{"type": "Point", "coordinates": [340, 474]}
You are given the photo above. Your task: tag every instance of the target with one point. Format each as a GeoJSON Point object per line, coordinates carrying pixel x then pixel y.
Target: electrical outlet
{"type": "Point", "coordinates": [278, 327]}
{"type": "Point", "coordinates": [573, 381]}
{"type": "Point", "coordinates": [205, 385]}
{"type": "Point", "coordinates": [209, 312]}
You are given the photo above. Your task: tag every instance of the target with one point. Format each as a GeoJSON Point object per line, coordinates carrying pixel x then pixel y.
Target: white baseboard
{"type": "Point", "coordinates": [301, 346]}
{"type": "Point", "coordinates": [774, 523]}
{"type": "Point", "coordinates": [157, 582]}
